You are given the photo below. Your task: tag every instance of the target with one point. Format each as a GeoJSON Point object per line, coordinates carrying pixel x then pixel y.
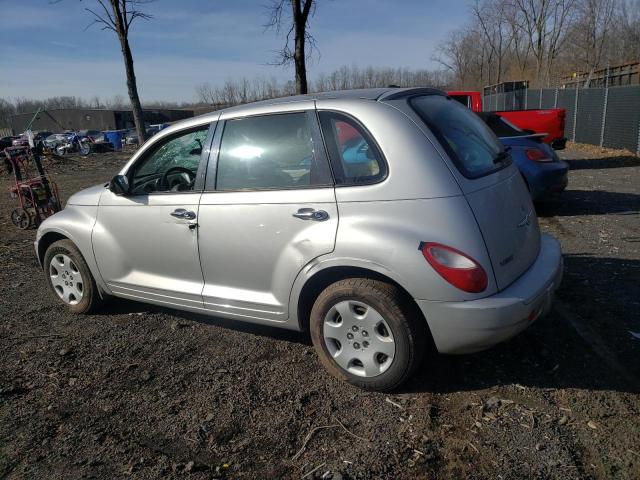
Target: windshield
{"type": "Point", "coordinates": [472, 146]}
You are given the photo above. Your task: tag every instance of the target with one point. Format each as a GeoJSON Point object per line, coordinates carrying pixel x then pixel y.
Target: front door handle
{"type": "Point", "coordinates": [311, 214]}
{"type": "Point", "coordinates": [183, 214]}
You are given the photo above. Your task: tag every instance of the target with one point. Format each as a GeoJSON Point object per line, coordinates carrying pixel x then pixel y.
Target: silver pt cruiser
{"type": "Point", "coordinates": [382, 221]}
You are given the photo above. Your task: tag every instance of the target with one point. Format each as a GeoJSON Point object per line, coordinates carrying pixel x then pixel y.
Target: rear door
{"type": "Point", "coordinates": [492, 185]}
{"type": "Point", "coordinates": [268, 209]}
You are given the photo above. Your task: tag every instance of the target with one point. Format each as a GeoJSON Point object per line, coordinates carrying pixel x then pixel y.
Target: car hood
{"type": "Point", "coordinates": [88, 196]}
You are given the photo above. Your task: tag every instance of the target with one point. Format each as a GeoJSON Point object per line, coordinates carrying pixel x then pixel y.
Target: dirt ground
{"type": "Point", "coordinates": [145, 392]}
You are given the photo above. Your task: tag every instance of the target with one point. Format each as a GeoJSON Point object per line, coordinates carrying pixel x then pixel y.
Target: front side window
{"type": "Point", "coordinates": [472, 146]}
{"type": "Point", "coordinates": [355, 156]}
{"type": "Point", "coordinates": [171, 165]}
{"type": "Point", "coordinates": [270, 152]}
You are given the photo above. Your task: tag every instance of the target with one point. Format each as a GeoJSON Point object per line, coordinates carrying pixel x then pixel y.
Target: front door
{"type": "Point", "coordinates": [268, 212]}
{"type": "Point", "coordinates": [146, 242]}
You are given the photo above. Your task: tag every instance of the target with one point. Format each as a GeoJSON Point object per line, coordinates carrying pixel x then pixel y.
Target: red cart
{"type": "Point", "coordinates": [36, 191]}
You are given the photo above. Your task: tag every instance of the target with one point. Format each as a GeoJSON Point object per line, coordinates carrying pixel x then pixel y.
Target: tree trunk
{"type": "Point", "coordinates": [300, 25]}
{"type": "Point", "coordinates": [301, 68]}
{"type": "Point", "coordinates": [132, 88]}
{"type": "Point", "coordinates": [121, 30]}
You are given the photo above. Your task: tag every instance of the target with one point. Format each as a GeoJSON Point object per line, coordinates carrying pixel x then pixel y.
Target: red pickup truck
{"type": "Point", "coordinates": [549, 121]}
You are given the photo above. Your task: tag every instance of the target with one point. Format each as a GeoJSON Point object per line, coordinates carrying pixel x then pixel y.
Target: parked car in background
{"type": "Point", "coordinates": [550, 121]}
{"type": "Point", "coordinates": [39, 138]}
{"type": "Point", "coordinates": [20, 141]}
{"type": "Point", "coordinates": [7, 141]}
{"type": "Point", "coordinates": [131, 138]}
{"type": "Point", "coordinates": [544, 173]}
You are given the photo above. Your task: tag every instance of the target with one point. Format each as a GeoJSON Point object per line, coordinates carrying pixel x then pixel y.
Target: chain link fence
{"type": "Point", "coordinates": [608, 117]}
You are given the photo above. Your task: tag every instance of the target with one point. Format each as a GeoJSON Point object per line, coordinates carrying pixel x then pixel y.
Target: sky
{"type": "Point", "coordinates": [47, 50]}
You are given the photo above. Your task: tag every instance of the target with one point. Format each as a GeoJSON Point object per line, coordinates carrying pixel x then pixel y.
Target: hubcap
{"type": "Point", "coordinates": [358, 338]}
{"type": "Point", "coordinates": [66, 279]}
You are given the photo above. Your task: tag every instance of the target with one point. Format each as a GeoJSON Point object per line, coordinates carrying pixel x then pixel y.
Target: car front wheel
{"type": "Point", "coordinates": [69, 277]}
{"type": "Point", "coordinates": [367, 334]}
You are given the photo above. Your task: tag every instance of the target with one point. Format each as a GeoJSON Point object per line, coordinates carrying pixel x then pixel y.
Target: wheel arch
{"type": "Point", "coordinates": [322, 278]}
{"type": "Point", "coordinates": [46, 241]}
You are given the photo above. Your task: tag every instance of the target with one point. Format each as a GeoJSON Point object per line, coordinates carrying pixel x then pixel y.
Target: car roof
{"type": "Point", "coordinates": [380, 94]}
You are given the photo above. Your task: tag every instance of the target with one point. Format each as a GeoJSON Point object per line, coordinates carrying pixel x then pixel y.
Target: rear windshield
{"type": "Point", "coordinates": [469, 142]}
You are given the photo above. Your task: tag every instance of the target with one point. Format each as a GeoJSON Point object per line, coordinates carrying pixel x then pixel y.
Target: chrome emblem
{"type": "Point", "coordinates": [526, 221]}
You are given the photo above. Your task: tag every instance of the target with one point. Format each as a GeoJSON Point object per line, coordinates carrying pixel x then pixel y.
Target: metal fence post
{"type": "Point", "coordinates": [638, 145]}
{"type": "Point", "coordinates": [575, 113]}
{"type": "Point", "coordinates": [604, 109]}
{"type": "Point", "coordinates": [541, 93]}
{"type": "Point", "coordinates": [526, 97]}
{"type": "Point", "coordinates": [604, 116]}
{"type": "Point", "coordinates": [555, 99]}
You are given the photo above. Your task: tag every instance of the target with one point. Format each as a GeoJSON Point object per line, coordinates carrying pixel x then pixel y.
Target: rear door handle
{"type": "Point", "coordinates": [183, 214]}
{"type": "Point", "coordinates": [311, 214]}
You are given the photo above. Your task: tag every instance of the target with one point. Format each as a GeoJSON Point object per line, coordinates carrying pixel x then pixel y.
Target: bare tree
{"type": "Point", "coordinates": [117, 16]}
{"type": "Point", "coordinates": [494, 26]}
{"type": "Point", "coordinates": [590, 33]}
{"type": "Point", "coordinates": [628, 20]}
{"type": "Point", "coordinates": [299, 21]}
{"type": "Point", "coordinates": [543, 23]}
{"type": "Point", "coordinates": [457, 53]}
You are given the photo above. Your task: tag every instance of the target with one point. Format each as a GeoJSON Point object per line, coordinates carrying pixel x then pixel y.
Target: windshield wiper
{"type": "Point", "coordinates": [502, 156]}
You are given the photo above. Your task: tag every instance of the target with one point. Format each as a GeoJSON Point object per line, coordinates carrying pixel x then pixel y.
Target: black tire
{"type": "Point", "coordinates": [408, 327]}
{"type": "Point", "coordinates": [21, 218]}
{"type": "Point", "coordinates": [91, 299]}
{"type": "Point", "coordinates": [84, 148]}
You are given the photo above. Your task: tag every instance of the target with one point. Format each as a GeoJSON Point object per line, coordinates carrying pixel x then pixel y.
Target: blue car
{"type": "Point", "coordinates": [543, 172]}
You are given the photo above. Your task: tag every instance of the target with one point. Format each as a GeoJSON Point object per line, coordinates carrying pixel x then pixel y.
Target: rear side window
{"type": "Point", "coordinates": [468, 141]}
{"type": "Point", "coordinates": [355, 157]}
{"type": "Point", "coordinates": [270, 152]}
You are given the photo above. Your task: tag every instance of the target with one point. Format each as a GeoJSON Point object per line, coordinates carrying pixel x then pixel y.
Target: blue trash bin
{"type": "Point", "coordinates": [115, 137]}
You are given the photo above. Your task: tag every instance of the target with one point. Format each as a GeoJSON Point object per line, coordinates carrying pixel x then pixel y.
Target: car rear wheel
{"type": "Point", "coordinates": [367, 334]}
{"type": "Point", "coordinates": [70, 279]}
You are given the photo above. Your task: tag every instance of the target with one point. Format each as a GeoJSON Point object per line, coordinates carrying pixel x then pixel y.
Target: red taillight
{"type": "Point", "coordinates": [537, 155]}
{"type": "Point", "coordinates": [455, 267]}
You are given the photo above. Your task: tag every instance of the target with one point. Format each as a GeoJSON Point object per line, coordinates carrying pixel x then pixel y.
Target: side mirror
{"type": "Point", "coordinates": [119, 185]}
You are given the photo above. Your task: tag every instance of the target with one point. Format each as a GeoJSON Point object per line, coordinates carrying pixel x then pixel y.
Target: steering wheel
{"type": "Point", "coordinates": [175, 186]}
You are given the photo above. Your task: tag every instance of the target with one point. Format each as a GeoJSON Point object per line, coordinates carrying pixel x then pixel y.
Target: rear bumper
{"type": "Point", "coordinates": [549, 179]}
{"type": "Point", "coordinates": [466, 327]}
